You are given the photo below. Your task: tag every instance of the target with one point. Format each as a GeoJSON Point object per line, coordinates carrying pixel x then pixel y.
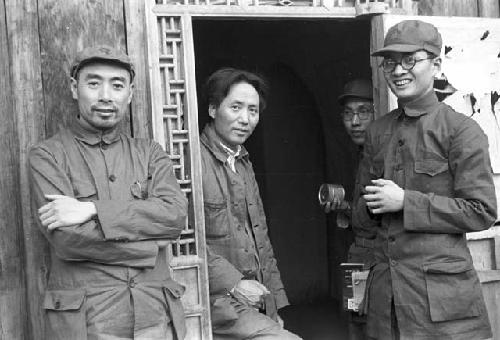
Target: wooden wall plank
{"type": "Point", "coordinates": [23, 43]}
{"type": "Point", "coordinates": [489, 8]}
{"type": "Point", "coordinates": [13, 316]}
{"type": "Point", "coordinates": [136, 45]}
{"type": "Point", "coordinates": [67, 26]}
{"type": "Point", "coordinates": [463, 8]}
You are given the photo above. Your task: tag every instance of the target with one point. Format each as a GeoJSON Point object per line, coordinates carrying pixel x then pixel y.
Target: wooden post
{"type": "Point", "coordinates": [27, 100]}
{"type": "Point", "coordinates": [13, 316]}
{"type": "Point", "coordinates": [380, 90]}
{"type": "Point", "coordinates": [489, 8]}
{"type": "Point", "coordinates": [136, 43]}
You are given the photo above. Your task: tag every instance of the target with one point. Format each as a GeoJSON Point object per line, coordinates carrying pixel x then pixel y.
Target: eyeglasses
{"type": "Point", "coordinates": [407, 62]}
{"type": "Point", "coordinates": [362, 113]}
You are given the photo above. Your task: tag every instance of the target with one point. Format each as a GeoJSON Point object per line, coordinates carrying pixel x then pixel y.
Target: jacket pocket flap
{"type": "Point", "coordinates": [177, 290]}
{"type": "Point", "coordinates": [431, 167]}
{"type": "Point", "coordinates": [454, 267]}
{"type": "Point", "coordinates": [63, 299]}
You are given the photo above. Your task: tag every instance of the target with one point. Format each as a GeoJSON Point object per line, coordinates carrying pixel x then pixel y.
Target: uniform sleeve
{"type": "Point", "coordinates": [84, 242]}
{"type": "Point", "coordinates": [269, 265]}
{"type": "Point", "coordinates": [361, 217]}
{"type": "Point", "coordinates": [161, 215]}
{"type": "Point", "coordinates": [473, 206]}
{"type": "Point", "coordinates": [222, 275]}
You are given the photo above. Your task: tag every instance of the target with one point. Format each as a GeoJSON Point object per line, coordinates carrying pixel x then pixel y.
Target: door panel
{"type": "Point", "coordinates": [175, 127]}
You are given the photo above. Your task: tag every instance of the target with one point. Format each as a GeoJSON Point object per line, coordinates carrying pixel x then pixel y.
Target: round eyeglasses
{"type": "Point", "coordinates": [362, 113]}
{"type": "Point", "coordinates": [407, 62]}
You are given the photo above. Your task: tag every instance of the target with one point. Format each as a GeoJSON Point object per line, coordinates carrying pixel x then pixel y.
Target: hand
{"type": "Point", "coordinates": [384, 196]}
{"type": "Point", "coordinates": [250, 292]}
{"type": "Point", "coordinates": [64, 211]}
{"type": "Point", "coordinates": [336, 205]}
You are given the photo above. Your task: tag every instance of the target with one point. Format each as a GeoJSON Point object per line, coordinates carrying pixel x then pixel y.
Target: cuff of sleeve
{"type": "Point", "coordinates": [106, 220]}
{"type": "Point", "coordinates": [281, 299]}
{"type": "Point", "coordinates": [414, 204]}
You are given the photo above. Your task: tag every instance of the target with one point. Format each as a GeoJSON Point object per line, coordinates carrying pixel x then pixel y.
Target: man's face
{"type": "Point", "coordinates": [237, 115]}
{"type": "Point", "coordinates": [103, 92]}
{"type": "Point", "coordinates": [357, 115]}
{"type": "Point", "coordinates": [409, 85]}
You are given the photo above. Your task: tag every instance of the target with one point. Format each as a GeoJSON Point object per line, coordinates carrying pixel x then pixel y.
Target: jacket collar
{"type": "Point", "coordinates": [210, 139]}
{"type": "Point", "coordinates": [420, 106]}
{"type": "Point", "coordinates": [94, 137]}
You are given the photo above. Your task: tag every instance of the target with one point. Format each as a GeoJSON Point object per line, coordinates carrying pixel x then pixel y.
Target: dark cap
{"type": "Point", "coordinates": [358, 88]}
{"type": "Point", "coordinates": [411, 36]}
{"type": "Point", "coordinates": [101, 53]}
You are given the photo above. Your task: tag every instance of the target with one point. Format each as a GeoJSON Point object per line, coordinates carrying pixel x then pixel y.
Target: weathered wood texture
{"type": "Point", "coordinates": [12, 284]}
{"type": "Point", "coordinates": [137, 50]}
{"type": "Point", "coordinates": [27, 100]}
{"type": "Point", "coordinates": [489, 8]}
{"type": "Point", "coordinates": [462, 8]}
{"type": "Point", "coordinates": [381, 94]}
{"type": "Point", "coordinates": [38, 40]}
{"type": "Point", "coordinates": [465, 8]}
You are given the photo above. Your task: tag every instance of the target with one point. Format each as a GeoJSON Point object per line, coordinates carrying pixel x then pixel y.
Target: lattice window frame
{"type": "Point", "coordinates": [175, 127]}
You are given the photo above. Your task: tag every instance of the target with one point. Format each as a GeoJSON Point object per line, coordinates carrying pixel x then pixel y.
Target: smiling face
{"type": "Point", "coordinates": [103, 92]}
{"type": "Point", "coordinates": [356, 127]}
{"type": "Point", "coordinates": [237, 115]}
{"type": "Point", "coordinates": [409, 85]}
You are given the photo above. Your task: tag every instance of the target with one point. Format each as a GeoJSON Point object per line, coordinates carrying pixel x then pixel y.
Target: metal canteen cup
{"type": "Point", "coordinates": [330, 193]}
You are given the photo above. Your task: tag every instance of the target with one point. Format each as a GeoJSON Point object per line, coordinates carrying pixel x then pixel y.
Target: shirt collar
{"type": "Point", "coordinates": [210, 139]}
{"type": "Point", "coordinates": [420, 106]}
{"type": "Point", "coordinates": [94, 137]}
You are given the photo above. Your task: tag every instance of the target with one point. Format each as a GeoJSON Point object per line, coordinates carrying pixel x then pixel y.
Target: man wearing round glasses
{"type": "Point", "coordinates": [357, 114]}
{"type": "Point", "coordinates": [426, 181]}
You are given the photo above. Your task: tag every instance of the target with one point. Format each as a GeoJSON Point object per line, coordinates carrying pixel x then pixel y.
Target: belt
{"type": "Point", "coordinates": [364, 242]}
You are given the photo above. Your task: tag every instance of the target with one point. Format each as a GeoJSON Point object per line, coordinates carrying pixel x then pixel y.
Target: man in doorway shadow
{"type": "Point", "coordinates": [357, 114]}
{"type": "Point", "coordinates": [246, 291]}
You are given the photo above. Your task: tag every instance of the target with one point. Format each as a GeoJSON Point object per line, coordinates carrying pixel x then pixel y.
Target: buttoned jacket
{"type": "Point", "coordinates": [440, 158]}
{"type": "Point", "coordinates": [99, 266]}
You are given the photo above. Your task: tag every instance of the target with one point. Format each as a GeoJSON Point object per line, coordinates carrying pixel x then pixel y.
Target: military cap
{"type": "Point", "coordinates": [411, 36]}
{"type": "Point", "coordinates": [101, 53]}
{"type": "Point", "coordinates": [357, 88]}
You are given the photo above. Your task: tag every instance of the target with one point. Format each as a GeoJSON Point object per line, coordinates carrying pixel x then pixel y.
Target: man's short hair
{"type": "Point", "coordinates": [219, 83]}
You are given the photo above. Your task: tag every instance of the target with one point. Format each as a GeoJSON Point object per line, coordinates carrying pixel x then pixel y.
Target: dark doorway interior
{"type": "Point", "coordinates": [300, 143]}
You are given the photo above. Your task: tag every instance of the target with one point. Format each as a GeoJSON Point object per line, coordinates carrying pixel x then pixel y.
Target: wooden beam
{"type": "Point", "coordinates": [28, 106]}
{"type": "Point", "coordinates": [135, 19]}
{"type": "Point", "coordinates": [13, 316]}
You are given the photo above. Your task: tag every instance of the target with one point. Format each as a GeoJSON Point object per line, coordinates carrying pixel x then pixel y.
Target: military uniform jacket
{"type": "Point", "coordinates": [108, 273]}
{"type": "Point", "coordinates": [235, 224]}
{"type": "Point", "coordinates": [440, 158]}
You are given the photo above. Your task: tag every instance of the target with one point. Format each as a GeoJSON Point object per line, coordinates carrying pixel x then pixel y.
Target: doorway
{"type": "Point", "coordinates": [299, 144]}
